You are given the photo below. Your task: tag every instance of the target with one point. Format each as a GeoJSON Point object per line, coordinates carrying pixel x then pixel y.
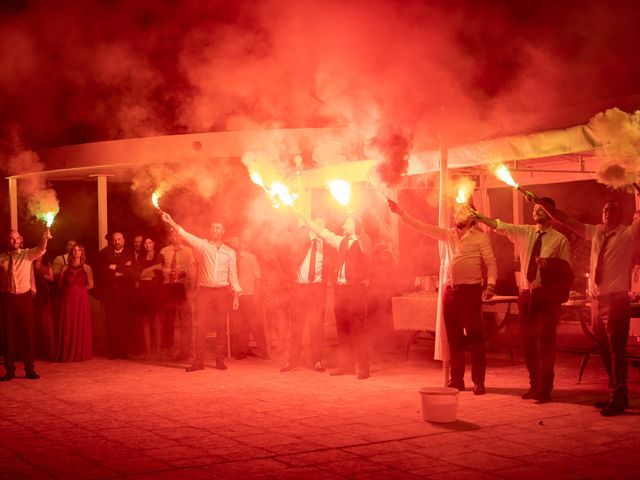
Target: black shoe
{"type": "Point", "coordinates": [531, 393]}
{"type": "Point", "coordinates": [7, 377]}
{"type": "Point", "coordinates": [479, 389]}
{"type": "Point", "coordinates": [32, 375]}
{"type": "Point", "coordinates": [612, 410]}
{"type": "Point", "coordinates": [459, 384]}
{"type": "Point", "coordinates": [542, 398]}
{"type": "Point", "coordinates": [181, 357]}
{"type": "Point", "coordinates": [241, 356]}
{"type": "Point", "coordinates": [341, 371]}
{"type": "Point", "coordinates": [363, 375]}
{"type": "Point", "coordinates": [288, 367]}
{"type": "Point", "coordinates": [220, 365]}
{"type": "Point", "coordinates": [195, 367]}
{"type": "Point", "coordinates": [600, 404]}
{"type": "Point", "coordinates": [318, 367]}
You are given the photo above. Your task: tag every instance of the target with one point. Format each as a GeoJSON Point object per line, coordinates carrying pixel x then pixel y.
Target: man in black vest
{"type": "Point", "coordinates": [350, 301]}
{"type": "Point", "coordinates": [308, 306]}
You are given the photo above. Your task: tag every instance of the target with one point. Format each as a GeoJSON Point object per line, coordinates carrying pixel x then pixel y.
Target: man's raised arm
{"type": "Point", "coordinates": [432, 231]}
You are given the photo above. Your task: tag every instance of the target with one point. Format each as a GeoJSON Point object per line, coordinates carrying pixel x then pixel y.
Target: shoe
{"type": "Point", "coordinates": [600, 404]}
{"type": "Point", "coordinates": [220, 365]}
{"type": "Point", "coordinates": [542, 398]}
{"type": "Point", "coordinates": [612, 410]}
{"type": "Point", "coordinates": [32, 375]}
{"type": "Point", "coordinates": [479, 389]}
{"type": "Point", "coordinates": [531, 393]}
{"type": "Point", "coordinates": [181, 357]}
{"type": "Point", "coordinates": [7, 377]}
{"type": "Point", "coordinates": [363, 375]}
{"type": "Point", "coordinates": [195, 367]}
{"type": "Point", "coordinates": [341, 371]}
{"type": "Point", "coordinates": [287, 367]}
{"type": "Point", "coordinates": [456, 384]}
{"type": "Point", "coordinates": [318, 367]}
{"type": "Point", "coordinates": [241, 356]}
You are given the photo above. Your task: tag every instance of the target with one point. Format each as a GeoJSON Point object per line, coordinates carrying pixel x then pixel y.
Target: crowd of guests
{"type": "Point", "coordinates": [203, 282]}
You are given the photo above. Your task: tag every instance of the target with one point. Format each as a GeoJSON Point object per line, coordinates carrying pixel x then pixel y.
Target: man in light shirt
{"type": "Point", "coordinates": [309, 296]}
{"type": "Point", "coordinates": [467, 250]}
{"type": "Point", "coordinates": [544, 256]}
{"type": "Point", "coordinates": [177, 273]}
{"type": "Point", "coordinates": [613, 246]}
{"type": "Point", "coordinates": [16, 267]}
{"type": "Point", "coordinates": [218, 289]}
{"type": "Point", "coordinates": [248, 319]}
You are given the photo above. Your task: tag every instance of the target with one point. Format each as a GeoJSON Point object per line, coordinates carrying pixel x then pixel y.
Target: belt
{"type": "Point", "coordinates": [529, 290]}
{"type": "Point", "coordinates": [226, 287]}
{"type": "Point", "coordinates": [461, 286]}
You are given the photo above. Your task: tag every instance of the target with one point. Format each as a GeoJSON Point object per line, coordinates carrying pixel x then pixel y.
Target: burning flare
{"type": "Point", "coordinates": [257, 179]}
{"type": "Point", "coordinates": [462, 196]}
{"type": "Point", "coordinates": [155, 196]}
{"type": "Point", "coordinates": [341, 191]}
{"type": "Point", "coordinates": [48, 218]}
{"type": "Point", "coordinates": [502, 172]}
{"type": "Point", "coordinates": [280, 191]}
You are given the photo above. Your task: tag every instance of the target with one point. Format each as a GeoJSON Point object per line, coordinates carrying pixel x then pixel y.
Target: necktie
{"type": "Point", "coordinates": [312, 260]}
{"type": "Point", "coordinates": [600, 263]}
{"type": "Point", "coordinates": [173, 267]}
{"type": "Point", "coordinates": [532, 269]}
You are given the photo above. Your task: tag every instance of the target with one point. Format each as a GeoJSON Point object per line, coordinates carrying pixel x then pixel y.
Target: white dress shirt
{"type": "Point", "coordinates": [303, 270]}
{"type": "Point", "coordinates": [335, 241]}
{"type": "Point", "coordinates": [218, 265]}
{"type": "Point", "coordinates": [19, 280]}
{"type": "Point", "coordinates": [616, 269]}
{"type": "Point", "coordinates": [554, 245]}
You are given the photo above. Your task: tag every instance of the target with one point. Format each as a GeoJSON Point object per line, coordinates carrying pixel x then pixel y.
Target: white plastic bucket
{"type": "Point", "coordinates": [439, 404]}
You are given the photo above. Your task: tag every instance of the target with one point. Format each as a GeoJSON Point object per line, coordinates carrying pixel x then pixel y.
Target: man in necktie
{"type": "Point", "coordinates": [612, 248]}
{"type": "Point", "coordinates": [541, 248]}
{"type": "Point", "coordinates": [16, 267]}
{"type": "Point", "coordinates": [308, 306]}
{"type": "Point", "coordinates": [178, 280]}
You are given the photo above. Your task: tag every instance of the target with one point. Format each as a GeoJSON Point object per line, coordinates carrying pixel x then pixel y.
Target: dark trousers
{"type": "Point", "coordinates": [307, 309]}
{"type": "Point", "coordinates": [248, 321]}
{"type": "Point", "coordinates": [118, 321]}
{"type": "Point", "coordinates": [350, 308]}
{"type": "Point", "coordinates": [462, 311]}
{"type": "Point", "coordinates": [18, 323]}
{"type": "Point", "coordinates": [539, 314]}
{"type": "Point", "coordinates": [610, 317]}
{"type": "Point", "coordinates": [178, 306]}
{"type": "Point", "coordinates": [212, 307]}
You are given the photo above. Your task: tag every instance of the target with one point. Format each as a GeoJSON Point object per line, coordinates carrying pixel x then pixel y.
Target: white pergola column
{"type": "Point", "coordinates": [103, 225]}
{"type": "Point", "coordinates": [442, 345]}
{"type": "Point", "coordinates": [13, 202]}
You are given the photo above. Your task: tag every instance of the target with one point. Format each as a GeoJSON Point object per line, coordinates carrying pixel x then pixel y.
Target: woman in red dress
{"type": "Point", "coordinates": [74, 337]}
{"type": "Point", "coordinates": [148, 298]}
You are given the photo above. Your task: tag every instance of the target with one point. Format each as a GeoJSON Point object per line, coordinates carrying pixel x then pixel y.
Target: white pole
{"type": "Point", "coordinates": [103, 225]}
{"type": "Point", "coordinates": [13, 202]}
{"type": "Point", "coordinates": [442, 345]}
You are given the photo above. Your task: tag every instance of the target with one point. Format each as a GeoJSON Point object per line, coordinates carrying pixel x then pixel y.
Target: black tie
{"type": "Point", "coordinates": [600, 263]}
{"type": "Point", "coordinates": [11, 286]}
{"type": "Point", "coordinates": [312, 260]}
{"type": "Point", "coordinates": [532, 269]}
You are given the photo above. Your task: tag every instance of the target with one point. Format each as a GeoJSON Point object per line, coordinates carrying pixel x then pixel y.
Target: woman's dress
{"type": "Point", "coordinates": [74, 338]}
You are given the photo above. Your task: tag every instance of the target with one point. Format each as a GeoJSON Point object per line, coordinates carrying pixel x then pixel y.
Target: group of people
{"type": "Point", "coordinates": [545, 281]}
{"type": "Point", "coordinates": [201, 281]}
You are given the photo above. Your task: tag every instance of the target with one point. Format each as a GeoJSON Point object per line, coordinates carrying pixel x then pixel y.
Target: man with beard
{"type": "Point", "coordinates": [467, 249]}
{"type": "Point", "coordinates": [545, 271]}
{"type": "Point", "coordinates": [613, 246]}
{"type": "Point", "coordinates": [114, 271]}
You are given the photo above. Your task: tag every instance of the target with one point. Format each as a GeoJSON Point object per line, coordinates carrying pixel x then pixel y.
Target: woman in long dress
{"type": "Point", "coordinates": [149, 284]}
{"type": "Point", "coordinates": [74, 337]}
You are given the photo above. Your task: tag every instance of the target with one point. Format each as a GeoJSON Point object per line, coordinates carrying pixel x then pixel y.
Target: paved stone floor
{"type": "Point", "coordinates": [114, 419]}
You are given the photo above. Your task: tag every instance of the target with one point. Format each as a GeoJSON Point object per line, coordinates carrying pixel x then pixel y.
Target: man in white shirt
{"type": "Point", "coordinates": [541, 249]}
{"type": "Point", "coordinates": [309, 298]}
{"type": "Point", "coordinates": [218, 289]}
{"type": "Point", "coordinates": [16, 267]}
{"type": "Point", "coordinates": [467, 250]}
{"type": "Point", "coordinates": [177, 273]}
{"type": "Point", "coordinates": [613, 246]}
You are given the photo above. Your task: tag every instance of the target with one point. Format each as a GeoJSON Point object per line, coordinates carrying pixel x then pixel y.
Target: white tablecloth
{"type": "Point", "coordinates": [415, 312]}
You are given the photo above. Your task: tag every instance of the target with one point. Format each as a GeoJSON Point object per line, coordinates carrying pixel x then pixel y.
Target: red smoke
{"type": "Point", "coordinates": [85, 71]}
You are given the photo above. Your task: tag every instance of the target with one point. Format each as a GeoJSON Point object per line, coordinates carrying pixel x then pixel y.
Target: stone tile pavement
{"type": "Point", "coordinates": [117, 419]}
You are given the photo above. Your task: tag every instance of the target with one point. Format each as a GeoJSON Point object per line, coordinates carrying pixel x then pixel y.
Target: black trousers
{"type": "Point", "coordinates": [212, 308]}
{"type": "Point", "coordinates": [462, 312]}
{"type": "Point", "coordinates": [247, 321]}
{"type": "Point", "coordinates": [118, 319]}
{"type": "Point", "coordinates": [350, 308]}
{"type": "Point", "coordinates": [610, 316]}
{"type": "Point", "coordinates": [18, 324]}
{"type": "Point", "coordinates": [539, 314]}
{"type": "Point", "coordinates": [308, 308]}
